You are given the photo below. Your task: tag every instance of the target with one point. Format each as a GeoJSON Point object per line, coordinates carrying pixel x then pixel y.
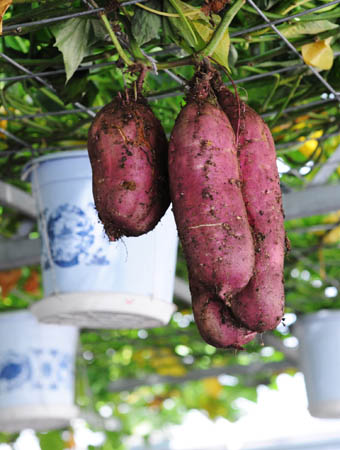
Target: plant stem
{"type": "Point", "coordinates": [186, 61]}
{"type": "Point", "coordinates": [134, 48]}
{"type": "Point", "coordinates": [52, 96]}
{"type": "Point", "coordinates": [113, 36]}
{"type": "Point", "coordinates": [222, 28]}
{"type": "Point", "coordinates": [165, 14]}
{"type": "Point", "coordinates": [185, 21]}
{"type": "Point", "coordinates": [115, 41]}
{"type": "Point", "coordinates": [295, 5]}
{"type": "Point", "coordinates": [38, 126]}
{"type": "Point", "coordinates": [286, 102]}
{"type": "Point", "coordinates": [271, 95]}
{"type": "Point", "coordinates": [28, 1]}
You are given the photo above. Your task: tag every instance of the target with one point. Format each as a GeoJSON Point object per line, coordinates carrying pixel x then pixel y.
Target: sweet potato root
{"type": "Point", "coordinates": [215, 321]}
{"type": "Point", "coordinates": [205, 190]}
{"type": "Point", "coordinates": [128, 153]}
{"type": "Point", "coordinates": [260, 305]}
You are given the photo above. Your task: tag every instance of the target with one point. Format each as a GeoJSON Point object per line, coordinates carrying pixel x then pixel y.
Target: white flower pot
{"type": "Point", "coordinates": [37, 364]}
{"type": "Point", "coordinates": [89, 281]}
{"type": "Point", "coordinates": [319, 355]}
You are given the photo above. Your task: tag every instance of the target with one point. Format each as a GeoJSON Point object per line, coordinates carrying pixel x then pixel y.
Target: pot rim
{"type": "Point", "coordinates": [27, 169]}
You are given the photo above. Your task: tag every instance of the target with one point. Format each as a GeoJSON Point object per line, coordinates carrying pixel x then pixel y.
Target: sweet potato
{"type": "Point", "coordinates": [215, 321]}
{"type": "Point", "coordinates": [205, 190]}
{"type": "Point", "coordinates": [260, 305]}
{"type": "Point", "coordinates": [128, 153]}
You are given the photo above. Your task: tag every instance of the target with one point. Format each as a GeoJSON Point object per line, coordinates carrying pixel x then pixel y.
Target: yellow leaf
{"type": "Point", "coordinates": [317, 134]}
{"type": "Point", "coordinates": [173, 371]}
{"type": "Point", "coordinates": [3, 122]}
{"type": "Point", "coordinates": [302, 118]}
{"type": "Point", "coordinates": [4, 5]}
{"type": "Point", "coordinates": [164, 361]}
{"type": "Point", "coordinates": [3, 125]}
{"type": "Point", "coordinates": [333, 236]}
{"type": "Point", "coordinates": [318, 54]}
{"type": "Point", "coordinates": [278, 128]}
{"type": "Point", "coordinates": [212, 386]}
{"type": "Point", "coordinates": [310, 145]}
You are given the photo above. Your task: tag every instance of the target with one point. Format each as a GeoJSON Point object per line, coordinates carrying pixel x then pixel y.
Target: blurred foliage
{"type": "Point", "coordinates": [84, 67]}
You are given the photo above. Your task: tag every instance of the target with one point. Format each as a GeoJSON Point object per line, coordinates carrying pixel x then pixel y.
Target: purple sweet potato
{"type": "Point", "coordinates": [128, 153]}
{"type": "Point", "coordinates": [260, 305]}
{"type": "Point", "coordinates": [215, 321]}
{"type": "Point", "coordinates": [205, 190]}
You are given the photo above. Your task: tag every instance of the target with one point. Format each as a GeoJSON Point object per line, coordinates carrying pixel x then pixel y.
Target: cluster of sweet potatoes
{"type": "Point", "coordinates": [220, 174]}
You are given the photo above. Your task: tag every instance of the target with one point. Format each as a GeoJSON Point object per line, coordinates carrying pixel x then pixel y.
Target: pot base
{"type": "Point", "coordinates": [103, 310]}
{"type": "Point", "coordinates": [326, 410]}
{"type": "Point", "coordinates": [36, 417]}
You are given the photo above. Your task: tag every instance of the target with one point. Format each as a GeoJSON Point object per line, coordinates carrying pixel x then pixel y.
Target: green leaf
{"type": "Point", "coordinates": [145, 25]}
{"type": "Point", "coordinates": [72, 40]}
{"type": "Point", "coordinates": [50, 440]}
{"type": "Point", "coordinates": [203, 28]}
{"type": "Point", "coordinates": [75, 89]}
{"type": "Point", "coordinates": [181, 8]}
{"type": "Point", "coordinates": [99, 31]}
{"type": "Point", "coordinates": [205, 32]}
{"type": "Point", "coordinates": [181, 33]}
{"type": "Point", "coordinates": [309, 28]}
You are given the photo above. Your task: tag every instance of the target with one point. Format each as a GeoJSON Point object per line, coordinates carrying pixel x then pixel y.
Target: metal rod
{"type": "Point", "coordinates": [278, 147]}
{"type": "Point", "coordinates": [44, 82]}
{"type": "Point", "coordinates": [23, 69]}
{"type": "Point", "coordinates": [98, 66]}
{"type": "Point", "coordinates": [291, 46]}
{"type": "Point", "coordinates": [300, 107]}
{"type": "Point", "coordinates": [267, 74]}
{"type": "Point", "coordinates": [87, 3]}
{"type": "Point", "coordinates": [18, 26]}
{"type": "Point", "coordinates": [284, 19]}
{"type": "Point", "coordinates": [175, 77]}
{"type": "Point", "coordinates": [63, 112]}
{"type": "Point", "coordinates": [56, 72]}
{"type": "Point", "coordinates": [294, 144]}
{"type": "Point", "coordinates": [93, 11]}
{"type": "Point", "coordinates": [50, 149]}
{"type": "Point", "coordinates": [16, 139]}
{"type": "Point", "coordinates": [157, 97]}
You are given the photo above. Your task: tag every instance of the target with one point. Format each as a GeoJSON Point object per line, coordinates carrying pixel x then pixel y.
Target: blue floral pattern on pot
{"type": "Point", "coordinates": [15, 370]}
{"type": "Point", "coordinates": [73, 238]}
{"type": "Point", "coordinates": [47, 369]}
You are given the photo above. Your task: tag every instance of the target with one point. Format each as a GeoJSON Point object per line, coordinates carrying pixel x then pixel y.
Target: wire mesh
{"type": "Point", "coordinates": [20, 27]}
{"type": "Point", "coordinates": [279, 21]}
{"type": "Point", "coordinates": [332, 98]}
{"type": "Point", "coordinates": [291, 46]}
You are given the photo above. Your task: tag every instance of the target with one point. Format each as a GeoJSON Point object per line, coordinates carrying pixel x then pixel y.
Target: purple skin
{"type": "Point", "coordinates": [128, 153]}
{"type": "Point", "coordinates": [260, 306]}
{"type": "Point", "coordinates": [205, 190]}
{"type": "Point", "coordinates": [215, 322]}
